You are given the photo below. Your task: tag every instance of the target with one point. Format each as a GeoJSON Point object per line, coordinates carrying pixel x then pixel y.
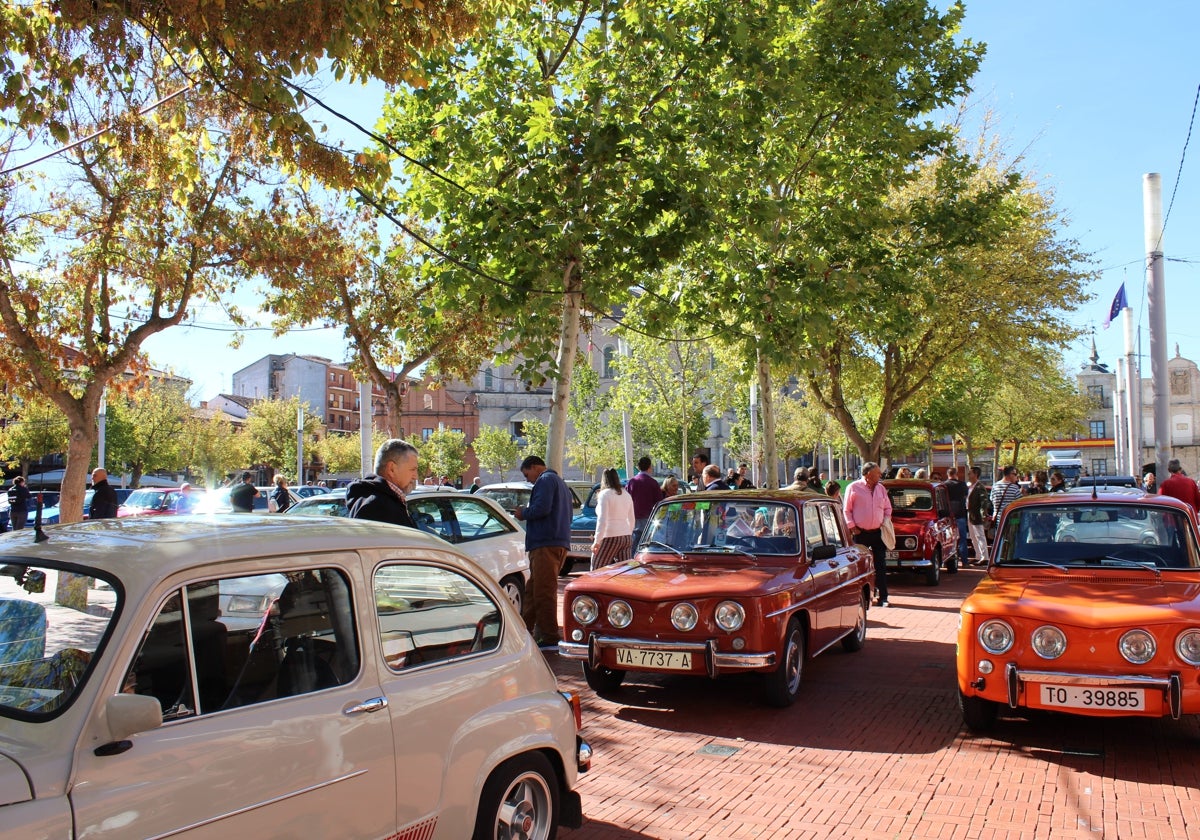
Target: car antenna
{"type": "Point", "coordinates": [38, 534]}
{"type": "Point", "coordinates": [1094, 497]}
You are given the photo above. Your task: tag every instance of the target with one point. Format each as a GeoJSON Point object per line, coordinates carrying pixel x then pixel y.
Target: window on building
{"type": "Point", "coordinates": [518, 429]}
{"type": "Point", "coordinates": [487, 379]}
{"type": "Point", "coordinates": [429, 402]}
{"type": "Point", "coordinates": [426, 434]}
{"type": "Point", "coordinates": [1096, 394]}
{"type": "Point", "coordinates": [1096, 429]}
{"type": "Point", "coordinates": [1099, 466]}
{"type": "Point", "coordinates": [609, 353]}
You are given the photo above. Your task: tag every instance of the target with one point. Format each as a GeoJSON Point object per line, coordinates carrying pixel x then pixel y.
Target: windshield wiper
{"type": "Point", "coordinates": [1125, 563]}
{"type": "Point", "coordinates": [670, 548]}
{"type": "Point", "coordinates": [713, 548]}
{"type": "Point", "coordinates": [1023, 560]}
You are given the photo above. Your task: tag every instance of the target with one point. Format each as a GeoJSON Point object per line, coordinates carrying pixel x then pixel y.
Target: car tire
{"type": "Point", "coordinates": [519, 799]}
{"type": "Point", "coordinates": [952, 564]}
{"type": "Point", "coordinates": [514, 590]}
{"type": "Point", "coordinates": [978, 714]}
{"type": "Point", "coordinates": [781, 686]}
{"type": "Point", "coordinates": [603, 680]}
{"type": "Point", "coordinates": [858, 636]}
{"type": "Point", "coordinates": [933, 575]}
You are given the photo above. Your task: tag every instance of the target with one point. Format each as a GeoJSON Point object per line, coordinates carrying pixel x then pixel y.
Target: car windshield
{"type": "Point", "coordinates": [908, 501]}
{"type": "Point", "coordinates": [744, 526]}
{"type": "Point", "coordinates": [325, 505]}
{"type": "Point", "coordinates": [52, 624]}
{"type": "Point", "coordinates": [1098, 534]}
{"type": "Point", "coordinates": [150, 499]}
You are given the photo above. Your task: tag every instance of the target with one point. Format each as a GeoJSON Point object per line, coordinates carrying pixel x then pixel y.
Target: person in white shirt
{"type": "Point", "coordinates": [614, 522]}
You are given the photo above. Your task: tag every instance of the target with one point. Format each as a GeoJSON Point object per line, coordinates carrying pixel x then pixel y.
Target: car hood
{"type": "Point", "coordinates": [668, 578]}
{"type": "Point", "coordinates": [14, 784]}
{"type": "Point", "coordinates": [1088, 600]}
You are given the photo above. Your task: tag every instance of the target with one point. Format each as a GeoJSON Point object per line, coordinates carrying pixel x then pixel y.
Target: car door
{"type": "Point", "coordinates": [826, 615]}
{"type": "Point", "coordinates": [270, 731]}
{"type": "Point", "coordinates": [851, 567]}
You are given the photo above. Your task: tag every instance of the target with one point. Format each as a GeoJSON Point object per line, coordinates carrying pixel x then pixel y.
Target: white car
{"type": "Point", "coordinates": [514, 494]}
{"type": "Point", "coordinates": [478, 527]}
{"type": "Point", "coordinates": [386, 689]}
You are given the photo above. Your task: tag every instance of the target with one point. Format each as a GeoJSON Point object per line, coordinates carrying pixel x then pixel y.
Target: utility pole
{"type": "Point", "coordinates": [1156, 297]}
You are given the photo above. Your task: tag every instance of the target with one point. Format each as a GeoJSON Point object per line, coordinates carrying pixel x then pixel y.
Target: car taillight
{"type": "Point", "coordinates": [576, 707]}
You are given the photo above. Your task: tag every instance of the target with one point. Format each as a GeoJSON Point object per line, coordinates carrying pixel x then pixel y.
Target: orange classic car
{"type": "Point", "coordinates": [722, 583]}
{"type": "Point", "coordinates": [926, 532]}
{"type": "Point", "coordinates": [1091, 606]}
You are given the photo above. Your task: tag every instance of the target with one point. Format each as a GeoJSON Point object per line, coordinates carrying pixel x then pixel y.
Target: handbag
{"type": "Point", "coordinates": [888, 533]}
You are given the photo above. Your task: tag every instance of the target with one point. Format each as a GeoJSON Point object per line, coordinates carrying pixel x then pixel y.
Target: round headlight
{"type": "Point", "coordinates": [1187, 646]}
{"type": "Point", "coordinates": [995, 636]}
{"type": "Point", "coordinates": [730, 615]}
{"type": "Point", "coordinates": [620, 614]}
{"type": "Point", "coordinates": [585, 609]}
{"type": "Point", "coordinates": [1137, 646]}
{"type": "Point", "coordinates": [1049, 642]}
{"type": "Point", "coordinates": [684, 617]}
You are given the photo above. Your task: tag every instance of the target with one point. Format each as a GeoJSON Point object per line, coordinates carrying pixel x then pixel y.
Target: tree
{"type": "Point", "coordinates": [536, 434]}
{"type": "Point", "coordinates": [271, 432]}
{"type": "Point", "coordinates": [342, 453]}
{"type": "Point", "coordinates": [150, 423]}
{"type": "Point", "coordinates": [39, 429]}
{"type": "Point", "coordinates": [252, 57]}
{"type": "Point", "coordinates": [598, 442]}
{"type": "Point", "coordinates": [445, 452]}
{"type": "Point", "coordinates": [496, 450]}
{"type": "Point", "coordinates": [212, 448]}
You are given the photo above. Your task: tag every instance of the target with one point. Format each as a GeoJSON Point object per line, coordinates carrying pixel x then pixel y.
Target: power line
{"type": "Point", "coordinates": [1179, 172]}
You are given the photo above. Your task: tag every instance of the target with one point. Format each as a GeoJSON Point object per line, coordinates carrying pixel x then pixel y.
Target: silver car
{"type": "Point", "coordinates": [478, 527]}
{"type": "Point", "coordinates": [386, 689]}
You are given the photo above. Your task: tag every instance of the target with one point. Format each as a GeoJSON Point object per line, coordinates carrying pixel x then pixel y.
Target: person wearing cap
{"type": "Point", "coordinates": [104, 497]}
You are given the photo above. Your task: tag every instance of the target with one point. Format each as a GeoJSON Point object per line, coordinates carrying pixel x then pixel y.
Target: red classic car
{"type": "Point", "coordinates": [725, 582]}
{"type": "Point", "coordinates": [926, 533]}
{"type": "Point", "coordinates": [1091, 606]}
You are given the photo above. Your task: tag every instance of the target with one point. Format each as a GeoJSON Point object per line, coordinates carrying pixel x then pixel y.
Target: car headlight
{"type": "Point", "coordinates": [1187, 646]}
{"type": "Point", "coordinates": [908, 543]}
{"type": "Point", "coordinates": [1137, 646]}
{"type": "Point", "coordinates": [684, 617]}
{"type": "Point", "coordinates": [1049, 642]}
{"type": "Point", "coordinates": [730, 616]}
{"type": "Point", "coordinates": [585, 609]}
{"type": "Point", "coordinates": [620, 614]}
{"type": "Point", "coordinates": [995, 636]}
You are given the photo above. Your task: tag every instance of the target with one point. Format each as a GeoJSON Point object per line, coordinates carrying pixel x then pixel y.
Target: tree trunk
{"type": "Point", "coordinates": [568, 347]}
{"type": "Point", "coordinates": [72, 590]}
{"type": "Point", "coordinates": [766, 402]}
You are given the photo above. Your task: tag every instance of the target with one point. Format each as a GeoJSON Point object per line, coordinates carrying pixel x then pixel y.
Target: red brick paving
{"type": "Point", "coordinates": [873, 749]}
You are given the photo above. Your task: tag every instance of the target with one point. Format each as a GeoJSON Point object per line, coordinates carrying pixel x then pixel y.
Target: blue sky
{"type": "Point", "coordinates": [1093, 94]}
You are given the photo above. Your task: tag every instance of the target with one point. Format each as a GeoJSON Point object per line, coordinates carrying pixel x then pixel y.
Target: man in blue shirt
{"type": "Point", "coordinates": [547, 520]}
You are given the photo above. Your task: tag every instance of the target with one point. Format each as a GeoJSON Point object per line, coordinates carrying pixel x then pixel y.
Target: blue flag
{"type": "Point", "coordinates": [1119, 303]}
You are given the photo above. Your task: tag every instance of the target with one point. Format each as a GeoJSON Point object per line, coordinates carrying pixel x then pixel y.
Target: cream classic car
{"type": "Point", "coordinates": [386, 687]}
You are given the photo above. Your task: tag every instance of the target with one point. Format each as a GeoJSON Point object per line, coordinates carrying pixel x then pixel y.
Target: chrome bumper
{"type": "Point", "coordinates": [714, 662]}
{"type": "Point", "coordinates": [1172, 685]}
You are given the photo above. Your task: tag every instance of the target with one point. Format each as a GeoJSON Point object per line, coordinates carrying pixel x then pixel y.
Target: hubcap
{"type": "Point", "coordinates": [525, 812]}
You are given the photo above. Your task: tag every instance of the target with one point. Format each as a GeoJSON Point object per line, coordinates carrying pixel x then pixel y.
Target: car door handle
{"type": "Point", "coordinates": [375, 704]}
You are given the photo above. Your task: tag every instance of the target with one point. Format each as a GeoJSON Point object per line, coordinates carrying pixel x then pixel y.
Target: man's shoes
{"type": "Point", "coordinates": [882, 602]}
{"type": "Point", "coordinates": [546, 644]}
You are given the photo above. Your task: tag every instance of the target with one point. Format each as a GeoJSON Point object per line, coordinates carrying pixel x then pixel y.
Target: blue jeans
{"type": "Point", "coordinates": [964, 539]}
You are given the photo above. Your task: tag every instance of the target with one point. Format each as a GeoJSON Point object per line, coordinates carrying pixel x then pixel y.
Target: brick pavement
{"type": "Point", "coordinates": [874, 748]}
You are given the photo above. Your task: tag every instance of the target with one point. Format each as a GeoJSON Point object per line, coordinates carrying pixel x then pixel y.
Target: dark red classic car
{"type": "Point", "coordinates": [723, 583]}
{"type": "Point", "coordinates": [926, 533]}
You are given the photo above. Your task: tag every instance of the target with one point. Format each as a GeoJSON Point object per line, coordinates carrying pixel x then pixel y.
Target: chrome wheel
{"type": "Point", "coordinates": [514, 591]}
{"type": "Point", "coordinates": [783, 684]}
{"type": "Point", "coordinates": [519, 801]}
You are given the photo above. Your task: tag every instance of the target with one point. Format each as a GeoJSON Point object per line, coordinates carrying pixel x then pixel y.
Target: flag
{"type": "Point", "coordinates": [1119, 303]}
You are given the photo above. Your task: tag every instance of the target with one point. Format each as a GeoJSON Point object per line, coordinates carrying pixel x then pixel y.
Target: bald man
{"type": "Point", "coordinates": [104, 498]}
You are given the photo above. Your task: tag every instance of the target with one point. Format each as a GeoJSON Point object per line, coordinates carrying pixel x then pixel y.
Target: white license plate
{"type": "Point", "coordinates": [667, 660]}
{"type": "Point", "coordinates": [1093, 697]}
{"type": "Point", "coordinates": [892, 555]}
{"type": "Point", "coordinates": [581, 548]}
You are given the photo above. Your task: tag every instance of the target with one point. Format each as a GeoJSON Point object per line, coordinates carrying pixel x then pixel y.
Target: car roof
{"type": "Point", "coordinates": [911, 482]}
{"type": "Point", "coordinates": [507, 485]}
{"type": "Point", "coordinates": [1112, 495]}
{"type": "Point", "coordinates": [180, 543]}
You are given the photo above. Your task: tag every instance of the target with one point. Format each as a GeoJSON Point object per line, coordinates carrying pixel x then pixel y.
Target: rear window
{"type": "Point", "coordinates": [53, 623]}
{"type": "Point", "coordinates": [910, 499]}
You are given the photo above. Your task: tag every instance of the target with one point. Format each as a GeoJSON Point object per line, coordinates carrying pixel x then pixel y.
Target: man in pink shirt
{"type": "Point", "coordinates": [866, 506]}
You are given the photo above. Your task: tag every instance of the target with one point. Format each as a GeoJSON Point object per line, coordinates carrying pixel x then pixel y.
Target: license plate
{"type": "Point", "coordinates": [581, 548]}
{"type": "Point", "coordinates": [892, 555]}
{"type": "Point", "coordinates": [1093, 697]}
{"type": "Point", "coordinates": [667, 660]}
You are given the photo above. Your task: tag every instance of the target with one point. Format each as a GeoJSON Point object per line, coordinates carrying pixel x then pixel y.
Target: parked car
{"type": "Point", "coordinates": [306, 490]}
{"type": "Point", "coordinates": [150, 501]}
{"type": "Point", "coordinates": [50, 515]}
{"type": "Point", "coordinates": [217, 501]}
{"type": "Point", "coordinates": [478, 527]}
{"type": "Point", "coordinates": [386, 691]}
{"type": "Point", "coordinates": [49, 502]}
{"type": "Point", "coordinates": [723, 583]}
{"type": "Point", "coordinates": [1091, 607]}
{"type": "Point", "coordinates": [926, 532]}
{"type": "Point", "coordinates": [1107, 481]}
{"type": "Point", "coordinates": [514, 494]}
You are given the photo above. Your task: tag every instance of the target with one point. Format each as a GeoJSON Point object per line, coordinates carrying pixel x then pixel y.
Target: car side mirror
{"type": "Point", "coordinates": [823, 552]}
{"type": "Point", "coordinates": [129, 714]}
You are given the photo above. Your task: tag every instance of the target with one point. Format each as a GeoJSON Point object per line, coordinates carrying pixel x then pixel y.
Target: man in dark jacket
{"type": "Point", "coordinates": [547, 520]}
{"type": "Point", "coordinates": [104, 497]}
{"type": "Point", "coordinates": [381, 496]}
{"type": "Point", "coordinates": [18, 503]}
{"type": "Point", "coordinates": [242, 496]}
